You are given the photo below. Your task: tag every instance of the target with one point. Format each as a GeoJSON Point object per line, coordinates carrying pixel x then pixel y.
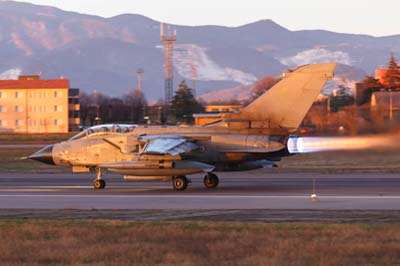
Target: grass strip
{"type": "Point", "coordinates": [115, 242]}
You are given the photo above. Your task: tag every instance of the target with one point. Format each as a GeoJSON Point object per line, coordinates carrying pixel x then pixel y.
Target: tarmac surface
{"type": "Point", "coordinates": [254, 190]}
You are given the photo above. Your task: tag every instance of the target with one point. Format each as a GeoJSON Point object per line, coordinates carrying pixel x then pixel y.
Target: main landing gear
{"type": "Point", "coordinates": [211, 180]}
{"type": "Point", "coordinates": [181, 182]}
{"type": "Point", "coordinates": [99, 183]}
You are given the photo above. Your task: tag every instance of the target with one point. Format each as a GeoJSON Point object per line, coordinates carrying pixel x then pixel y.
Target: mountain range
{"type": "Point", "coordinates": [103, 54]}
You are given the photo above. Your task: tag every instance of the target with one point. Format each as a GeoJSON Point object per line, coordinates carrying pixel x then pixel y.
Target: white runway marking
{"type": "Point", "coordinates": [200, 196]}
{"type": "Point", "coordinates": [44, 188]}
{"type": "Point", "coordinates": [60, 188]}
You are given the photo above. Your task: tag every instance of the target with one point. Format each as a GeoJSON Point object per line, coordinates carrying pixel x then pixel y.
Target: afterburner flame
{"type": "Point", "coordinates": [319, 144]}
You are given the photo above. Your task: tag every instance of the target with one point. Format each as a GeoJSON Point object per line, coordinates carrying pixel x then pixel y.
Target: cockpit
{"type": "Point", "coordinates": [106, 128]}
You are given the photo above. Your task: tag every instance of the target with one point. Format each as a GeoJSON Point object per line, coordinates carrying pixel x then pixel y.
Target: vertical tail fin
{"type": "Point", "coordinates": [286, 103]}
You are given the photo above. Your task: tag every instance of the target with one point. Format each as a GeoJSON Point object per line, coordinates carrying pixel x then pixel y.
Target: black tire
{"type": "Point", "coordinates": [180, 183]}
{"type": "Point", "coordinates": [211, 180]}
{"type": "Point", "coordinates": [99, 184]}
{"type": "Point", "coordinates": [103, 184]}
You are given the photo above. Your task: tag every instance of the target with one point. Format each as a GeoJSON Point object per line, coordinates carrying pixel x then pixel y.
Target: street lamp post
{"type": "Point", "coordinates": [390, 105]}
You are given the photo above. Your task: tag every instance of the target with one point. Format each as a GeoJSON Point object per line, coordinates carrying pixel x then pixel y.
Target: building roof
{"type": "Point", "coordinates": [34, 84]}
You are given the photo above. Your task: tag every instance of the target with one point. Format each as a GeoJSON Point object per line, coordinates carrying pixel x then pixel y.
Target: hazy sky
{"type": "Point", "coordinates": [377, 18]}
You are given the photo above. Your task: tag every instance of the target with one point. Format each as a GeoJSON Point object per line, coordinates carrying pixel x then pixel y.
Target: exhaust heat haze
{"type": "Point", "coordinates": [319, 144]}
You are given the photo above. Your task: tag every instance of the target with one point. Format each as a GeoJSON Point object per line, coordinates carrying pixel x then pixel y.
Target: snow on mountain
{"type": "Point", "coordinates": [10, 74]}
{"type": "Point", "coordinates": [238, 93]}
{"type": "Point", "coordinates": [188, 55]}
{"type": "Point", "coordinates": [345, 78]}
{"type": "Point", "coordinates": [317, 55]}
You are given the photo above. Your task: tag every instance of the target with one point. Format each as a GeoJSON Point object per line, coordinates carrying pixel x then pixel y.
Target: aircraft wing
{"type": "Point", "coordinates": [172, 145]}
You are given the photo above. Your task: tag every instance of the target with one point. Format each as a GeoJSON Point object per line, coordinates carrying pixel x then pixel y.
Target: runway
{"type": "Point", "coordinates": [254, 190]}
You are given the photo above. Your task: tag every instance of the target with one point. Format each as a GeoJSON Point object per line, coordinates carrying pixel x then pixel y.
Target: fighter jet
{"type": "Point", "coordinates": [256, 137]}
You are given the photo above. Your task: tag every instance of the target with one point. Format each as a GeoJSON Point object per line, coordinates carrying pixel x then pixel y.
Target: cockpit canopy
{"type": "Point", "coordinates": [106, 128]}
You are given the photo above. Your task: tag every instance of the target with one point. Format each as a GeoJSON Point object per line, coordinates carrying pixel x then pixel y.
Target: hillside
{"type": "Point", "coordinates": [103, 54]}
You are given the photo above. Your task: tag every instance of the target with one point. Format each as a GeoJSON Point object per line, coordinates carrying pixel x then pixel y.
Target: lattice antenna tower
{"type": "Point", "coordinates": [168, 40]}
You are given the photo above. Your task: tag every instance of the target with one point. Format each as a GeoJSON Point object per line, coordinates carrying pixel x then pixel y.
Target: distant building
{"type": "Point", "coordinates": [214, 113]}
{"type": "Point", "coordinates": [32, 105]}
{"type": "Point", "coordinates": [223, 108]}
{"type": "Point", "coordinates": [380, 75]}
{"type": "Point", "coordinates": [74, 108]}
{"type": "Point", "coordinates": [154, 113]}
{"type": "Point", "coordinates": [386, 102]}
{"type": "Point", "coordinates": [359, 92]}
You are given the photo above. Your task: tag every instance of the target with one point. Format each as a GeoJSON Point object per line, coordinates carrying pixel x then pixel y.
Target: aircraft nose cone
{"type": "Point", "coordinates": [44, 155]}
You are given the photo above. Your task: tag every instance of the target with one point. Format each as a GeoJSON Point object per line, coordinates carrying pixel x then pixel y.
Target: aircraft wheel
{"type": "Point", "coordinates": [99, 184]}
{"type": "Point", "coordinates": [180, 182]}
{"type": "Point", "coordinates": [211, 180]}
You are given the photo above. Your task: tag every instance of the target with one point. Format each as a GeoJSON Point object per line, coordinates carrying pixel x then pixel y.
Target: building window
{"type": "Point", "coordinates": [18, 94]}
{"type": "Point", "coordinates": [18, 109]}
{"type": "Point", "coordinates": [57, 108]}
{"type": "Point", "coordinates": [18, 122]}
{"type": "Point", "coordinates": [1, 123]}
{"type": "Point", "coordinates": [58, 122]}
{"type": "Point", "coordinates": [57, 94]}
{"type": "Point", "coordinates": [3, 109]}
{"type": "Point", "coordinates": [3, 95]}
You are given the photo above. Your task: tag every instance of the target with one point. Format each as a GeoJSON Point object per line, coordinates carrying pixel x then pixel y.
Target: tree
{"type": "Point", "coordinates": [340, 99]}
{"type": "Point", "coordinates": [136, 104]}
{"type": "Point", "coordinates": [392, 75]}
{"type": "Point", "coordinates": [184, 105]}
{"type": "Point", "coordinates": [369, 85]}
{"type": "Point", "coordinates": [112, 110]}
{"type": "Point", "coordinates": [91, 107]}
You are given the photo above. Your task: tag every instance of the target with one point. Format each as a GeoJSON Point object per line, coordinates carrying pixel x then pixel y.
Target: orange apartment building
{"type": "Point", "coordinates": [380, 74]}
{"type": "Point", "coordinates": [32, 105]}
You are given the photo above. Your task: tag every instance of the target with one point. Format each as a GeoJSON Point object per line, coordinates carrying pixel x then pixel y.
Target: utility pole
{"type": "Point", "coordinates": [140, 80]}
{"type": "Point", "coordinates": [390, 105]}
{"type": "Point", "coordinates": [194, 78]}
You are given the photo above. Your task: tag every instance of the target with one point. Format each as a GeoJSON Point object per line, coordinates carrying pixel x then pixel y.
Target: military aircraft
{"type": "Point", "coordinates": [256, 137]}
